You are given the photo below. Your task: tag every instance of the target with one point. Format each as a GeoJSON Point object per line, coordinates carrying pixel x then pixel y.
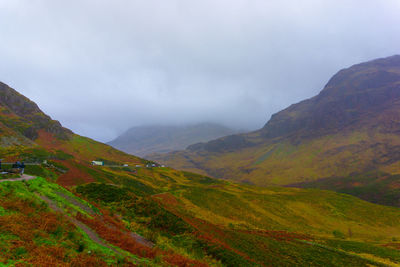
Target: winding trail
{"type": "Point", "coordinates": [24, 177]}
{"type": "Point", "coordinates": [92, 235]}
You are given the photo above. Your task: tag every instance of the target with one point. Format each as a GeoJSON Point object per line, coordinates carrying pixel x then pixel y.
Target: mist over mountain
{"type": "Point", "coordinates": [351, 127]}
{"type": "Point", "coordinates": [146, 140]}
{"type": "Point", "coordinates": [230, 62]}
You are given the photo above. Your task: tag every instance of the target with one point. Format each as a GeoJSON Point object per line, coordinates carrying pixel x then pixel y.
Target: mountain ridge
{"type": "Point", "coordinates": [351, 126]}
{"type": "Point", "coordinates": [13, 102]}
{"type": "Point", "coordinates": [146, 140]}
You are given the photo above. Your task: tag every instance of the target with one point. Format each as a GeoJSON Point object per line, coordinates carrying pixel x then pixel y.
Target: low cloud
{"type": "Point", "coordinates": [101, 66]}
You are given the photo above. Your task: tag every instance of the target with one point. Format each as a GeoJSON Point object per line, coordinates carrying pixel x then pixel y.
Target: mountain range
{"type": "Point", "coordinates": [350, 129]}
{"type": "Point", "coordinates": [68, 212]}
{"type": "Point", "coordinates": [146, 140]}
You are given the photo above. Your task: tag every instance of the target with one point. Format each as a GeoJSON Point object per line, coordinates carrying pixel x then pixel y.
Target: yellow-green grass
{"type": "Point", "coordinates": [285, 162]}
{"type": "Point", "coordinates": [238, 210]}
{"type": "Point", "coordinates": [318, 212]}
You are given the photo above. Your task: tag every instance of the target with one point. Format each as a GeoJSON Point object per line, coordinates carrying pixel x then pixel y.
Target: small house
{"type": "Point", "coordinates": [98, 163]}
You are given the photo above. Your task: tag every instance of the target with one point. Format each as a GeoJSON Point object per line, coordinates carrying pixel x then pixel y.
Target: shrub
{"type": "Point", "coordinates": [103, 192]}
{"type": "Point", "coordinates": [338, 234]}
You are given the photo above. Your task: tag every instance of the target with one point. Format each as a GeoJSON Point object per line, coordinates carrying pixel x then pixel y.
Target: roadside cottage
{"type": "Point", "coordinates": [98, 163]}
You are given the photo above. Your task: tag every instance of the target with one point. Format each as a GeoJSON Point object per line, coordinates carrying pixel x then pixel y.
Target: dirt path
{"type": "Point", "coordinates": [24, 177]}
{"type": "Point", "coordinates": [76, 203]}
{"type": "Point", "coordinates": [141, 240]}
{"type": "Point", "coordinates": [92, 235]}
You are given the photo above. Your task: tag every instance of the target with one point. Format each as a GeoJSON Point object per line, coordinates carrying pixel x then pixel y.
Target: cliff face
{"type": "Point", "coordinates": [24, 116]}
{"type": "Point", "coordinates": [351, 126]}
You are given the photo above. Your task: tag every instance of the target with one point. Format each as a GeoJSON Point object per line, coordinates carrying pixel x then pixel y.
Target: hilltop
{"type": "Point", "coordinates": [146, 140]}
{"type": "Point", "coordinates": [350, 128]}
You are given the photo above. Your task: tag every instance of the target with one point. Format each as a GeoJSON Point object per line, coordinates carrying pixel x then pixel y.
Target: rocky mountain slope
{"type": "Point", "coordinates": [351, 126]}
{"type": "Point", "coordinates": [26, 130]}
{"type": "Point", "coordinates": [21, 119]}
{"type": "Point", "coordinates": [146, 140]}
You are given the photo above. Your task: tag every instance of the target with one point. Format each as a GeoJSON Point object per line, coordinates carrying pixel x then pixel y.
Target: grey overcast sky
{"type": "Point", "coordinates": [102, 66]}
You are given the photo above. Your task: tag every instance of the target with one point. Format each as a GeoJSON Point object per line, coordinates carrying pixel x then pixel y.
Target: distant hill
{"type": "Point", "coordinates": [146, 140]}
{"type": "Point", "coordinates": [351, 127]}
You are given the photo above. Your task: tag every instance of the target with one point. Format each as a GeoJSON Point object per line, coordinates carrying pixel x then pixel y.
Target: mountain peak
{"type": "Point", "coordinates": [25, 116]}
{"type": "Point", "coordinates": [349, 96]}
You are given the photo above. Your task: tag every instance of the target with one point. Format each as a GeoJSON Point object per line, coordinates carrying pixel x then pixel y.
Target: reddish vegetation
{"type": "Point", "coordinates": [178, 260]}
{"type": "Point", "coordinates": [73, 176]}
{"type": "Point", "coordinates": [166, 199]}
{"type": "Point", "coordinates": [87, 261]}
{"type": "Point", "coordinates": [116, 237]}
{"type": "Point", "coordinates": [214, 234]}
{"type": "Point", "coordinates": [110, 229]}
{"type": "Point", "coordinates": [392, 245]}
{"type": "Point", "coordinates": [395, 185]}
{"type": "Point", "coordinates": [47, 140]}
{"type": "Point", "coordinates": [11, 159]}
{"type": "Point", "coordinates": [30, 222]}
{"type": "Point", "coordinates": [47, 256]}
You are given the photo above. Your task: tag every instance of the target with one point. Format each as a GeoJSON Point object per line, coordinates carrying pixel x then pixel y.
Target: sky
{"type": "Point", "coordinates": [102, 66]}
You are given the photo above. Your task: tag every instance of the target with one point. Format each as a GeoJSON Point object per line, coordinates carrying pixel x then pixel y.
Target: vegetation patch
{"type": "Point", "coordinates": [103, 192]}
{"type": "Point", "coordinates": [30, 234]}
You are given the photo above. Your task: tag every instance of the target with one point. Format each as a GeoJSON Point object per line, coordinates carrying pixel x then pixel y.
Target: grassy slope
{"type": "Point", "coordinates": [219, 222]}
{"type": "Point", "coordinates": [361, 164]}
{"type": "Point", "coordinates": [375, 186]}
{"type": "Point", "coordinates": [231, 214]}
{"type": "Point", "coordinates": [247, 220]}
{"type": "Point", "coordinates": [32, 233]}
{"type": "Point", "coordinates": [286, 163]}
